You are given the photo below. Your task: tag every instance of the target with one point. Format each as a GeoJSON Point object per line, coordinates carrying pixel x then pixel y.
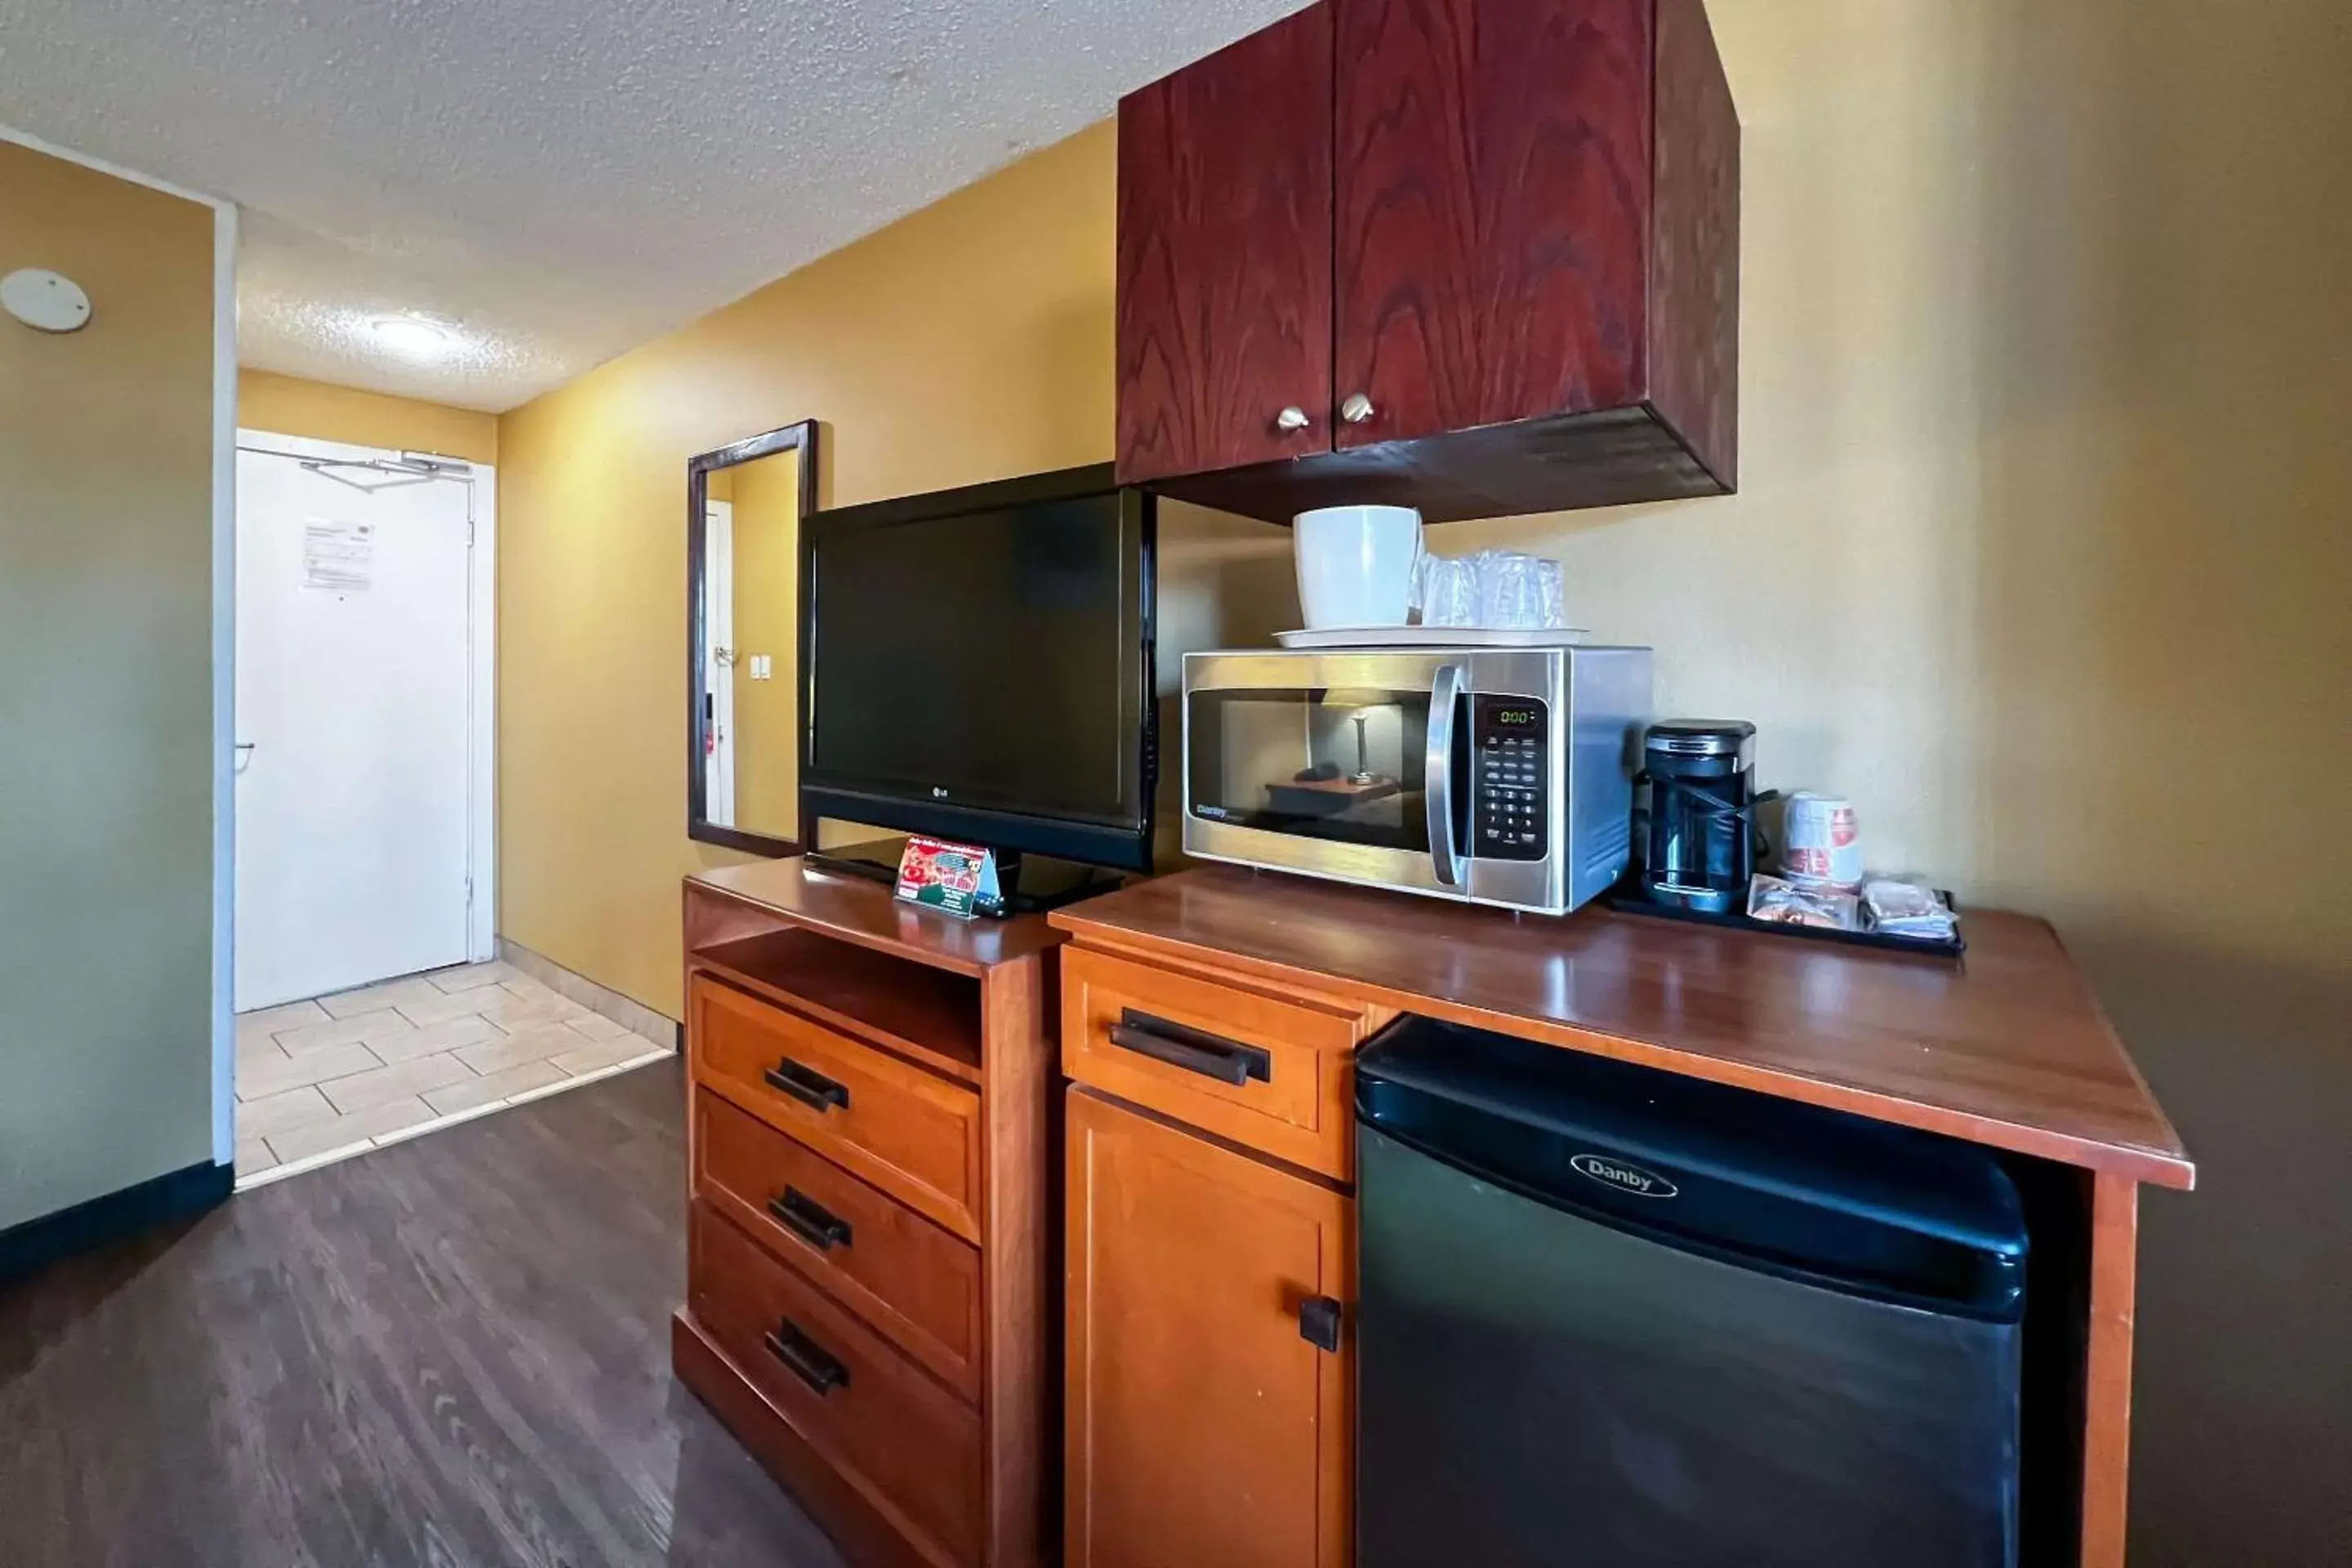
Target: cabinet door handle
{"type": "Point", "coordinates": [806, 1359]}
{"type": "Point", "coordinates": [1318, 1324]}
{"type": "Point", "coordinates": [1358, 409]}
{"type": "Point", "coordinates": [1194, 1050]}
{"type": "Point", "coordinates": [807, 1085]}
{"type": "Point", "coordinates": [1292, 419]}
{"type": "Point", "coordinates": [810, 1220]}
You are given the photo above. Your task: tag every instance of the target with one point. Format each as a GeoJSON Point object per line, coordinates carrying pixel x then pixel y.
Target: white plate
{"type": "Point", "coordinates": [1432, 636]}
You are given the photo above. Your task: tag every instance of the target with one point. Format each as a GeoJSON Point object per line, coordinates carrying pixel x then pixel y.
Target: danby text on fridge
{"type": "Point", "coordinates": [1492, 775]}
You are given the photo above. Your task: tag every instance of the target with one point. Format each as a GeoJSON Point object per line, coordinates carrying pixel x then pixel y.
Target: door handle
{"type": "Point", "coordinates": [807, 1085]}
{"type": "Point", "coordinates": [1194, 1050]}
{"type": "Point", "coordinates": [1437, 774]}
{"type": "Point", "coordinates": [1318, 1324]}
{"type": "Point", "coordinates": [810, 1220]}
{"type": "Point", "coordinates": [806, 1359]}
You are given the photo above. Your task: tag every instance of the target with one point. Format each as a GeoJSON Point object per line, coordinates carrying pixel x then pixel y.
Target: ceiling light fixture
{"type": "Point", "coordinates": [413, 336]}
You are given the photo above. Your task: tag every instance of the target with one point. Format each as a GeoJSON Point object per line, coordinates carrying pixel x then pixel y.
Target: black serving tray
{"type": "Point", "coordinates": [1627, 897]}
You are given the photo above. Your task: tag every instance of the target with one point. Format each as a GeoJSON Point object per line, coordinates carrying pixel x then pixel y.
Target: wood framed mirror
{"type": "Point", "coordinates": [744, 506]}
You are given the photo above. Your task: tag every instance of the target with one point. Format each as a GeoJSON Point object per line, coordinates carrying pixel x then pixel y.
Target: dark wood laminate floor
{"type": "Point", "coordinates": [452, 1352]}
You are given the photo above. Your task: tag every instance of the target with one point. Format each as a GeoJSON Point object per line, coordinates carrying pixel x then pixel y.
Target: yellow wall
{"type": "Point", "coordinates": [767, 621]}
{"type": "Point", "coordinates": [292, 406]}
{"type": "Point", "coordinates": [106, 754]}
{"type": "Point", "coordinates": [969, 342]}
{"type": "Point", "coordinates": [2041, 554]}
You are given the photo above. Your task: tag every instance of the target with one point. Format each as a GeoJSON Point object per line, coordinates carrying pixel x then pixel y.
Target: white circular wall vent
{"type": "Point", "coordinates": [44, 300]}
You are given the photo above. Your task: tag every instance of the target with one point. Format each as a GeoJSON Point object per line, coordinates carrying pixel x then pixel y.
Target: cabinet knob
{"type": "Point", "coordinates": [1292, 418]}
{"type": "Point", "coordinates": [1358, 409]}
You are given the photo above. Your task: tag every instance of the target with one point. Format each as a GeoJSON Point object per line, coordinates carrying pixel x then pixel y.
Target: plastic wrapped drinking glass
{"type": "Point", "coordinates": [1446, 591]}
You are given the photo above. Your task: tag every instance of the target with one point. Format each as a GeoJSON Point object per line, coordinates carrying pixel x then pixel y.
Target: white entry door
{"type": "Point", "coordinates": [354, 722]}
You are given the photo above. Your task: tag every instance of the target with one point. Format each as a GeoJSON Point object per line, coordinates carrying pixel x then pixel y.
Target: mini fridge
{"type": "Point", "coordinates": [1615, 1318]}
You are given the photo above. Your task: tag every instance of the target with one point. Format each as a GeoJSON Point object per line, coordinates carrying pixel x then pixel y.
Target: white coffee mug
{"type": "Point", "coordinates": [1355, 564]}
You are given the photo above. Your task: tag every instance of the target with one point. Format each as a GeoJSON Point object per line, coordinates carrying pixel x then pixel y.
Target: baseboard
{"type": "Point", "coordinates": [628, 1011]}
{"type": "Point", "coordinates": [164, 1198]}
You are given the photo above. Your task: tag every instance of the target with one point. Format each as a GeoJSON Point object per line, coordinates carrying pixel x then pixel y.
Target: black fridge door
{"type": "Point", "coordinates": [1547, 1382]}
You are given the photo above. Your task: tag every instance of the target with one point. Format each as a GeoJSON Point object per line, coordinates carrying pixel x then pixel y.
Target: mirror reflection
{"type": "Point", "coordinates": [751, 651]}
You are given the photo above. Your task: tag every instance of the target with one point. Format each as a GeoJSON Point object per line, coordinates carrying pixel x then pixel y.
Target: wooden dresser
{"type": "Point", "coordinates": [868, 1303]}
{"type": "Point", "coordinates": [1209, 1025]}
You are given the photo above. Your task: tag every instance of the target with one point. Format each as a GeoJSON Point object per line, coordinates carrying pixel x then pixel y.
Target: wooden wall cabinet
{"type": "Point", "coordinates": [1224, 257]}
{"type": "Point", "coordinates": [1480, 257]}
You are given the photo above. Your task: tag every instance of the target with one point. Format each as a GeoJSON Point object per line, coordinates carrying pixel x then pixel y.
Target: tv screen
{"type": "Point", "coordinates": [979, 667]}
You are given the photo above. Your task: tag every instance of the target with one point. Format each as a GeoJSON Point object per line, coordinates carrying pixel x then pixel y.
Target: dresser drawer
{"type": "Point", "coordinates": [1266, 1071]}
{"type": "Point", "coordinates": [904, 1275]}
{"type": "Point", "coordinates": [912, 1134]}
{"type": "Point", "coordinates": [902, 1438]}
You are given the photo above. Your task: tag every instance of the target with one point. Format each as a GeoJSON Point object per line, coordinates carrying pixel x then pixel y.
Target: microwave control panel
{"type": "Point", "coordinates": [1511, 751]}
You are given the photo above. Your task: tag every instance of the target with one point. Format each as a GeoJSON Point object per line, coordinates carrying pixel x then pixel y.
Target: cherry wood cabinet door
{"type": "Point", "coordinates": [1494, 190]}
{"type": "Point", "coordinates": [1203, 1427]}
{"type": "Point", "coordinates": [1224, 257]}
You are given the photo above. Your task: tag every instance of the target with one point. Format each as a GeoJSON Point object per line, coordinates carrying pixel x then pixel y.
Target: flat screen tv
{"type": "Point", "coordinates": [978, 666]}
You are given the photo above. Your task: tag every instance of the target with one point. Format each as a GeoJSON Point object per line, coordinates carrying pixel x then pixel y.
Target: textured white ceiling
{"type": "Point", "coordinates": [562, 180]}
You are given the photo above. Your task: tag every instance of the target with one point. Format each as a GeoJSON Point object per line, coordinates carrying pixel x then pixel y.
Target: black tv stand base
{"type": "Point", "coordinates": [853, 865]}
{"type": "Point", "coordinates": [1030, 887]}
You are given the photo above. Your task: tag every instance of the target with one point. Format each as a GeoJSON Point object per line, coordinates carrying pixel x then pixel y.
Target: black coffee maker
{"type": "Point", "coordinates": [1702, 840]}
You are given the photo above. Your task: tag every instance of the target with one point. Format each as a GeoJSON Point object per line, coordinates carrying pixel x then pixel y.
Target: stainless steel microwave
{"type": "Point", "coordinates": [1492, 775]}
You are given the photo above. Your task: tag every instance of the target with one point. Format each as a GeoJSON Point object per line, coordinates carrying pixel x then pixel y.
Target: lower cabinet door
{"type": "Point", "coordinates": [1209, 1370]}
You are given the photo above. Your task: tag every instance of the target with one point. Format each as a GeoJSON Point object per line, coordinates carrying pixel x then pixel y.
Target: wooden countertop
{"type": "Point", "coordinates": [857, 909]}
{"type": "Point", "coordinates": [2006, 1047]}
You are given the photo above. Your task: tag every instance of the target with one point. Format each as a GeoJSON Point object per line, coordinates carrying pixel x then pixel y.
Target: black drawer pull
{"type": "Point", "coordinates": [806, 1359]}
{"type": "Point", "coordinates": [1318, 1323]}
{"type": "Point", "coordinates": [807, 1085]}
{"type": "Point", "coordinates": [810, 1220]}
{"type": "Point", "coordinates": [1194, 1050]}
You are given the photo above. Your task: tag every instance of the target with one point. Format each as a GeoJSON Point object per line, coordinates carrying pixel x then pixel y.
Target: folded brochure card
{"type": "Point", "coordinates": [960, 878]}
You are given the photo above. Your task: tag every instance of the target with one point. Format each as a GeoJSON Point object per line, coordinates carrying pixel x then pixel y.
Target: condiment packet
{"type": "Point", "coordinates": [1777, 900]}
{"type": "Point", "coordinates": [1900, 906]}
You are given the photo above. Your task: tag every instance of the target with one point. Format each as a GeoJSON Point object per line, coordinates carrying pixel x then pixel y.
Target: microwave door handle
{"type": "Point", "coordinates": [1437, 774]}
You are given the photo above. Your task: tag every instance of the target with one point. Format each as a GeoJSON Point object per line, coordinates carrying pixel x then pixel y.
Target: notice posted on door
{"type": "Point", "coordinates": [337, 557]}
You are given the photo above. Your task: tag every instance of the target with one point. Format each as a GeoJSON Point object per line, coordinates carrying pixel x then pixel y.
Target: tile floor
{"type": "Point", "coordinates": [319, 1080]}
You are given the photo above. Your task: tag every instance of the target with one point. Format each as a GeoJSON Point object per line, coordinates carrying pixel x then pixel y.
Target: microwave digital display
{"type": "Point", "coordinates": [1517, 718]}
